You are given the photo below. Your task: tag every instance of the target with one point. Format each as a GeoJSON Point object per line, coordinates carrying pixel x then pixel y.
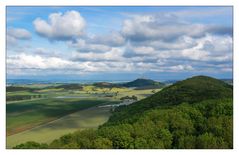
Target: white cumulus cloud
{"type": "Point", "coordinates": [61, 26]}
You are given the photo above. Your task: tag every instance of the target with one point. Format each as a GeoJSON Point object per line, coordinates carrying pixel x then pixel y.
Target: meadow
{"type": "Point", "coordinates": [52, 110]}
{"type": "Point", "coordinates": [83, 119]}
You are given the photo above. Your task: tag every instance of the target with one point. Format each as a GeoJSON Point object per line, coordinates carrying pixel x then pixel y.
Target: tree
{"type": "Point", "coordinates": [140, 143]}
{"type": "Point", "coordinates": [31, 145]}
{"type": "Point", "coordinates": [187, 142]}
{"type": "Point", "coordinates": [123, 140]}
{"type": "Point", "coordinates": [84, 138]}
{"type": "Point", "coordinates": [209, 141]}
{"type": "Point", "coordinates": [166, 137]}
{"type": "Point", "coordinates": [102, 143]}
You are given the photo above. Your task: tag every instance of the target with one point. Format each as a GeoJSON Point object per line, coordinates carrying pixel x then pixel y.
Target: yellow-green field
{"type": "Point", "coordinates": [51, 112]}
{"type": "Point", "coordinates": [89, 118]}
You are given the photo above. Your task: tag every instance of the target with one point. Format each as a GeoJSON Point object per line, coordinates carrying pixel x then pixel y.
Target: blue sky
{"type": "Point", "coordinates": [119, 43]}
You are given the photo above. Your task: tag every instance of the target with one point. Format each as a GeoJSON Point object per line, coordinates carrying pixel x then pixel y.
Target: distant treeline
{"type": "Point", "coordinates": [23, 97]}
{"type": "Point", "coordinates": [129, 98]}
{"type": "Point", "coordinates": [70, 86]}
{"type": "Point", "coordinates": [19, 88]}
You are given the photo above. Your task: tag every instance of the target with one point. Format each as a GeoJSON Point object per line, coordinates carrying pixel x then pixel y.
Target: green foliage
{"type": "Point", "coordinates": [18, 88]}
{"type": "Point", "coordinates": [192, 90]}
{"type": "Point", "coordinates": [142, 83]}
{"type": "Point", "coordinates": [85, 138]}
{"type": "Point", "coordinates": [129, 98]}
{"type": "Point", "coordinates": [187, 142]}
{"type": "Point", "coordinates": [209, 141]}
{"type": "Point", "coordinates": [106, 85]}
{"type": "Point", "coordinates": [166, 137]}
{"type": "Point", "coordinates": [140, 143]}
{"type": "Point", "coordinates": [22, 97]}
{"type": "Point", "coordinates": [119, 135]}
{"type": "Point", "coordinates": [102, 143]}
{"type": "Point", "coordinates": [70, 86]}
{"type": "Point", "coordinates": [31, 145]}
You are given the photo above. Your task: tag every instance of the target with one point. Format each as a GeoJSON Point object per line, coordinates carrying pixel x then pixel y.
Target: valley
{"type": "Point", "coordinates": [192, 113]}
{"type": "Point", "coordinates": [45, 112]}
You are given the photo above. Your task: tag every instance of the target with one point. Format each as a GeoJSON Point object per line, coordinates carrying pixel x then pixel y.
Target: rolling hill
{"type": "Point", "coordinates": [190, 91]}
{"type": "Point", "coordinates": [106, 85]}
{"type": "Point", "coordinates": [143, 83]}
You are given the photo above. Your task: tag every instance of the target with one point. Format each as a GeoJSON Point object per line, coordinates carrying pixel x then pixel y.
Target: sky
{"type": "Point", "coordinates": [119, 43]}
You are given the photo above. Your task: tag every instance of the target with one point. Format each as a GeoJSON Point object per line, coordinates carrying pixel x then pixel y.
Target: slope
{"type": "Point", "coordinates": [191, 90]}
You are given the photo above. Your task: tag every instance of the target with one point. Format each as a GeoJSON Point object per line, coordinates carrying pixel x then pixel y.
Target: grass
{"type": "Point", "coordinates": [25, 115]}
{"type": "Point", "coordinates": [89, 118]}
{"type": "Point", "coordinates": [139, 93]}
{"type": "Point", "coordinates": [46, 118]}
{"type": "Point", "coordinates": [50, 90]}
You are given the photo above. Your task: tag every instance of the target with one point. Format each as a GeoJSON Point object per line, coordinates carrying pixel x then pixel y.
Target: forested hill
{"type": "Point", "coordinates": [106, 85]}
{"type": "Point", "coordinates": [190, 91]}
{"type": "Point", "coordinates": [143, 83]}
{"type": "Point", "coordinates": [194, 113]}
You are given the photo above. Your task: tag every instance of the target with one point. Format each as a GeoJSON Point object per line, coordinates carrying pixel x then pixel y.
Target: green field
{"type": "Point", "coordinates": [26, 115]}
{"type": "Point", "coordinates": [50, 112]}
{"type": "Point", "coordinates": [89, 118]}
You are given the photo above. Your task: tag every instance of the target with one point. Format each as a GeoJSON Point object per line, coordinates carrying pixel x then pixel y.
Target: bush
{"type": "Point", "coordinates": [31, 145]}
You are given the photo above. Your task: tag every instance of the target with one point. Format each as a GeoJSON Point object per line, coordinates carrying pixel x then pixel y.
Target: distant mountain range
{"type": "Point", "coordinates": [228, 81]}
